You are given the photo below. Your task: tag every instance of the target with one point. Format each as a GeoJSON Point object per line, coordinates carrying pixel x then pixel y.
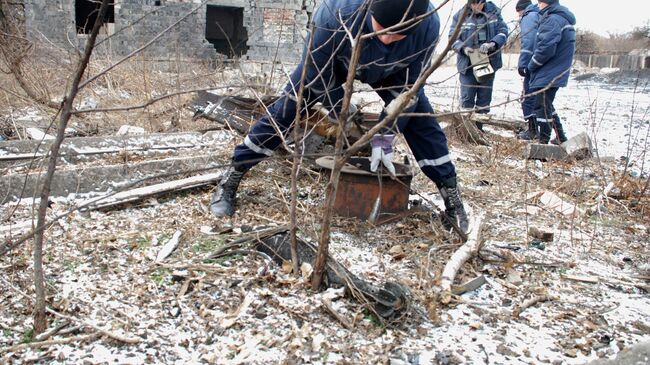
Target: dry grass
{"type": "Point", "coordinates": [130, 85]}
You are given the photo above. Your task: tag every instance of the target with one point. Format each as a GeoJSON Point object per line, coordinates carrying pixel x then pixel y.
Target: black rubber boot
{"type": "Point", "coordinates": [559, 131]}
{"type": "Point", "coordinates": [544, 132]}
{"type": "Point", "coordinates": [454, 207]}
{"type": "Point", "coordinates": [223, 200]}
{"type": "Point", "coordinates": [532, 133]}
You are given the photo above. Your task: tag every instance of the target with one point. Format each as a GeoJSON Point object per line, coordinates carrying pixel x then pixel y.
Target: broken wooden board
{"type": "Point", "coordinates": [99, 178]}
{"type": "Point", "coordinates": [469, 286]}
{"type": "Point", "coordinates": [580, 278]}
{"type": "Point", "coordinates": [544, 152]}
{"type": "Point", "coordinates": [132, 195]}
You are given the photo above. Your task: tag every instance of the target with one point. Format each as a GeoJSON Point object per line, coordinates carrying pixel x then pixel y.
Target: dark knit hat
{"type": "Point", "coordinates": [390, 12]}
{"type": "Point", "coordinates": [549, 2]}
{"type": "Point", "coordinates": [522, 5]}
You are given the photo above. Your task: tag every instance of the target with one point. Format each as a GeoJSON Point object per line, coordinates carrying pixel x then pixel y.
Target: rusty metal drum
{"type": "Point", "coordinates": [361, 190]}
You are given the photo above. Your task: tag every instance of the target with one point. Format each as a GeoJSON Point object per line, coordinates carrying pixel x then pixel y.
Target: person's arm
{"type": "Point", "coordinates": [548, 37]}
{"type": "Point", "coordinates": [459, 43]}
{"type": "Point", "coordinates": [528, 33]}
{"type": "Point", "coordinates": [501, 36]}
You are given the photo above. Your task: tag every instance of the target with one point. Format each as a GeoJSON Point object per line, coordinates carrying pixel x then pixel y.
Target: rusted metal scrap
{"type": "Point", "coordinates": [390, 301]}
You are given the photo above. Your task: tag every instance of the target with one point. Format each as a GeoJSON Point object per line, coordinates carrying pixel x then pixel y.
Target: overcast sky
{"type": "Point", "coordinates": [599, 16]}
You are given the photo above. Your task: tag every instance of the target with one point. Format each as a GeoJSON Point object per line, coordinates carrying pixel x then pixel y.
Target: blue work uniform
{"type": "Point", "coordinates": [388, 69]}
{"type": "Point", "coordinates": [550, 63]}
{"type": "Point", "coordinates": [528, 32]}
{"type": "Point", "coordinates": [476, 29]}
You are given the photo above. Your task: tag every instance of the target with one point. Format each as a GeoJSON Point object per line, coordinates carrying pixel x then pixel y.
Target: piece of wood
{"type": "Point", "coordinates": [506, 123]}
{"type": "Point", "coordinates": [469, 131]}
{"type": "Point", "coordinates": [542, 235]}
{"type": "Point", "coordinates": [531, 302]}
{"type": "Point", "coordinates": [39, 344]}
{"type": "Point", "coordinates": [169, 247]}
{"type": "Point", "coordinates": [544, 152]}
{"type": "Point", "coordinates": [327, 304]}
{"type": "Point", "coordinates": [132, 195]}
{"type": "Point", "coordinates": [464, 253]}
{"type": "Point", "coordinates": [469, 286]}
{"type": "Point", "coordinates": [51, 332]}
{"type": "Point", "coordinates": [581, 278]}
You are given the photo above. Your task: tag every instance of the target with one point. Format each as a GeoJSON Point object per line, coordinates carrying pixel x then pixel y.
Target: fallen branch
{"type": "Point", "coordinates": [327, 304]}
{"type": "Point", "coordinates": [33, 345]}
{"type": "Point", "coordinates": [531, 302]}
{"type": "Point", "coordinates": [464, 253]}
{"type": "Point", "coordinates": [51, 332]}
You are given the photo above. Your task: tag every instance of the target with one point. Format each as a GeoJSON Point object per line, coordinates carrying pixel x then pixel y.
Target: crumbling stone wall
{"type": "Point", "coordinates": [275, 28]}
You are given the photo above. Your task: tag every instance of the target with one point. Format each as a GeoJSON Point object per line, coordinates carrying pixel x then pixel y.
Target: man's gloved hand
{"type": "Point", "coordinates": [523, 71]}
{"type": "Point", "coordinates": [382, 150]}
{"type": "Point", "coordinates": [487, 47]}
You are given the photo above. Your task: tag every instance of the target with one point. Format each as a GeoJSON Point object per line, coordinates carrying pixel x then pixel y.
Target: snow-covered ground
{"type": "Point", "coordinates": [615, 115]}
{"type": "Point", "coordinates": [100, 266]}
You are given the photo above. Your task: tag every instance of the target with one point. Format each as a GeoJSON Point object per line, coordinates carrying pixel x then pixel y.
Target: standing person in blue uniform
{"type": "Point", "coordinates": [528, 22]}
{"type": "Point", "coordinates": [389, 63]}
{"type": "Point", "coordinates": [485, 30]}
{"type": "Point", "coordinates": [550, 64]}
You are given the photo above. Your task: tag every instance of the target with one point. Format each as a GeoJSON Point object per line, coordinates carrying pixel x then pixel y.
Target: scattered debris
{"type": "Point", "coordinates": [579, 147]}
{"type": "Point", "coordinates": [168, 247]}
{"type": "Point", "coordinates": [130, 130]}
{"type": "Point", "coordinates": [554, 202]}
{"type": "Point", "coordinates": [544, 152]}
{"type": "Point", "coordinates": [546, 236]}
{"type": "Point", "coordinates": [38, 135]}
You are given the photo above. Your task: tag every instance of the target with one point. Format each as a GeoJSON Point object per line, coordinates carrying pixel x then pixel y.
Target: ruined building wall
{"type": "Point", "coordinates": [271, 29]}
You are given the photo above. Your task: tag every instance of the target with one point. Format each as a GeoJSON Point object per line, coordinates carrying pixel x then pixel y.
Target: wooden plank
{"type": "Point", "coordinates": [132, 195]}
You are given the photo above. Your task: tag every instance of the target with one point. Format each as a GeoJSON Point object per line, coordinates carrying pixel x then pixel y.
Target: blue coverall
{"type": "Point", "coordinates": [487, 26]}
{"type": "Point", "coordinates": [389, 69]}
{"type": "Point", "coordinates": [528, 32]}
{"type": "Point", "coordinates": [551, 63]}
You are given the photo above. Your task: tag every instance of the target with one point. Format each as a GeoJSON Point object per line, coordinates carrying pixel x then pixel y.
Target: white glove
{"type": "Point", "coordinates": [382, 150]}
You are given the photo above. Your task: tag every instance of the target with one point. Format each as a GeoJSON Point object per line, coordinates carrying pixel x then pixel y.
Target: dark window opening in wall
{"type": "Point", "coordinates": [224, 29]}
{"type": "Point", "coordinates": [86, 12]}
{"type": "Point", "coordinates": [157, 3]}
